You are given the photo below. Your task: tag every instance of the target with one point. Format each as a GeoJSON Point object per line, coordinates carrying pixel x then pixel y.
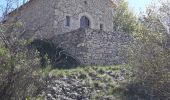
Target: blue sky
{"type": "Point", "coordinates": [138, 5]}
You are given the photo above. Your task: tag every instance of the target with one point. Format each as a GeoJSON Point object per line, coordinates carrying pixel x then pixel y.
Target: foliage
{"type": "Point", "coordinates": [17, 65]}
{"type": "Point", "coordinates": [104, 81]}
{"type": "Point", "coordinates": [150, 55]}
{"type": "Point", "coordinates": [57, 56]}
{"type": "Point", "coordinates": [123, 19]}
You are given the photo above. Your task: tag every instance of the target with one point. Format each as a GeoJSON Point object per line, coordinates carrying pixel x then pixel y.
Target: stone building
{"type": "Point", "coordinates": [94, 47]}
{"type": "Point", "coordinates": [60, 16]}
{"type": "Point", "coordinates": [83, 28]}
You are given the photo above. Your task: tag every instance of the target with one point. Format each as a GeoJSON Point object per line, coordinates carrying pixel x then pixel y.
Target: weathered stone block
{"type": "Point", "coordinates": [96, 50]}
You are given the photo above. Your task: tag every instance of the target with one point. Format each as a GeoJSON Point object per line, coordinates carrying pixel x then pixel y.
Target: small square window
{"type": "Point", "coordinates": [101, 26]}
{"type": "Point", "coordinates": [67, 20]}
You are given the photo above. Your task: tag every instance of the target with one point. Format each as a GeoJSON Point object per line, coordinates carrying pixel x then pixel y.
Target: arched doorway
{"type": "Point", "coordinates": [84, 22]}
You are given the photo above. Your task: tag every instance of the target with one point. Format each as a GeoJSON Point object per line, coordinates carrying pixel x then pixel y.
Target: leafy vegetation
{"type": "Point", "coordinates": [17, 66]}
{"type": "Point", "coordinates": [149, 57]}
{"type": "Point", "coordinates": [58, 57]}
{"type": "Point", "coordinates": [145, 76]}
{"type": "Point", "coordinates": [124, 20]}
{"type": "Point", "coordinates": [105, 81]}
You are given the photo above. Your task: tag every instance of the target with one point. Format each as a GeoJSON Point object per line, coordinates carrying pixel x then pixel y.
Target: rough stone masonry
{"type": "Point", "coordinates": [94, 47]}
{"type": "Point", "coordinates": [83, 28]}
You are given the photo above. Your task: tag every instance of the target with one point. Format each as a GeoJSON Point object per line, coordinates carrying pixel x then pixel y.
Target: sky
{"type": "Point", "coordinates": [135, 5]}
{"type": "Point", "coordinates": [138, 5]}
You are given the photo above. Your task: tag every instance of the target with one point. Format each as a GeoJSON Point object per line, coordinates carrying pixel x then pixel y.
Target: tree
{"type": "Point", "coordinates": [123, 19]}
{"type": "Point", "coordinates": [19, 77]}
{"type": "Point", "coordinates": [150, 55]}
{"type": "Point", "coordinates": [8, 6]}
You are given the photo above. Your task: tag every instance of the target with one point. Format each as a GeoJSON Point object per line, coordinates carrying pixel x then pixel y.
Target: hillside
{"type": "Point", "coordinates": [78, 58]}
{"type": "Point", "coordinates": [89, 83]}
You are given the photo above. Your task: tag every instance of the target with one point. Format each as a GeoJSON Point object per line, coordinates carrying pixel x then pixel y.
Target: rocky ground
{"type": "Point", "coordinates": [67, 89]}
{"type": "Point", "coordinates": [91, 83]}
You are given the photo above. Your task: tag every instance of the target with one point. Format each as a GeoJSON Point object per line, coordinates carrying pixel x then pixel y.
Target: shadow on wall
{"type": "Point", "coordinates": [58, 57]}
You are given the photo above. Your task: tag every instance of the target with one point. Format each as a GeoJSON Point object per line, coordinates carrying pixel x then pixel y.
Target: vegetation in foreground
{"type": "Point", "coordinates": [21, 75]}
{"type": "Point", "coordinates": [96, 82]}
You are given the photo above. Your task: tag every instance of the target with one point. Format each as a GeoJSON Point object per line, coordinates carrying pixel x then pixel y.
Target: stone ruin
{"type": "Point", "coordinates": [93, 47]}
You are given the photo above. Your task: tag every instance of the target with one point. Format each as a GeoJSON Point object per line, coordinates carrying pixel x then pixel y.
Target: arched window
{"type": "Point", "coordinates": [84, 22]}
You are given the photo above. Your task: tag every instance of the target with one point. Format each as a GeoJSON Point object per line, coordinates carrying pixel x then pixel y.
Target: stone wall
{"type": "Point", "coordinates": [93, 47]}
{"type": "Point", "coordinates": [89, 46]}
{"type": "Point", "coordinates": [37, 17]}
{"type": "Point", "coordinates": [97, 11]}
{"type": "Point", "coordinates": [49, 16]}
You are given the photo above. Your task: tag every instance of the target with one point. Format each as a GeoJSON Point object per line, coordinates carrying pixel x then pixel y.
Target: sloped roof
{"type": "Point", "coordinates": [21, 7]}
{"type": "Point", "coordinates": [30, 1]}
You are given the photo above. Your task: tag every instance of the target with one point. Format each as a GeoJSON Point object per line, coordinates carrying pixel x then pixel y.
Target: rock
{"type": "Point", "coordinates": [121, 78]}
{"type": "Point", "coordinates": [67, 89]}
{"type": "Point", "coordinates": [55, 88]}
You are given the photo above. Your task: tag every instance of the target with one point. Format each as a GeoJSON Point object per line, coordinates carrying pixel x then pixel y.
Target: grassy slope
{"type": "Point", "coordinates": [107, 82]}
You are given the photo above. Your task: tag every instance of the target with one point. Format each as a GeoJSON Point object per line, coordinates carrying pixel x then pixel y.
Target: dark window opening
{"type": "Point", "coordinates": [85, 2]}
{"type": "Point", "coordinates": [67, 20]}
{"type": "Point", "coordinates": [101, 26]}
{"type": "Point", "coordinates": [84, 22]}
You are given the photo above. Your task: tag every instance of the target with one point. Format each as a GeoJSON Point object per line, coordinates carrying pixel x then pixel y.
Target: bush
{"type": "Point", "coordinates": [149, 59]}
{"type": "Point", "coordinates": [18, 68]}
{"type": "Point", "coordinates": [58, 57]}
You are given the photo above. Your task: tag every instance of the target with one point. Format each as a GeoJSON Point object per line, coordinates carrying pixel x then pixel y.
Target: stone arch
{"type": "Point", "coordinates": [84, 22]}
